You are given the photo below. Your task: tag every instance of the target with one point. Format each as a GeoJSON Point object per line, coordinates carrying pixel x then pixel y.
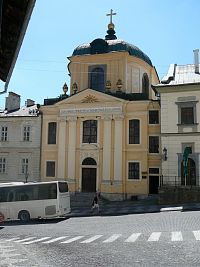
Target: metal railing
{"type": "Point", "coordinates": [178, 181]}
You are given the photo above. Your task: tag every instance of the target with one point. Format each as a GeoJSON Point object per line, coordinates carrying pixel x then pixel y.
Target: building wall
{"type": "Point", "coordinates": [112, 151]}
{"type": "Point", "coordinates": [119, 65]}
{"type": "Point", "coordinates": [175, 136]}
{"type": "Point", "coordinates": [14, 149]}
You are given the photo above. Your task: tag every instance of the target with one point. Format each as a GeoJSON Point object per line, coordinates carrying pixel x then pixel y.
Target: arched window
{"type": "Point", "coordinates": [145, 84]}
{"type": "Point", "coordinates": [97, 79]}
{"type": "Point", "coordinates": [89, 161]}
{"type": "Point", "coordinates": [90, 131]}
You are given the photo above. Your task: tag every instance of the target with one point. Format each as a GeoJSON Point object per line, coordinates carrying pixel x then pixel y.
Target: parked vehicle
{"type": "Point", "coordinates": [25, 201]}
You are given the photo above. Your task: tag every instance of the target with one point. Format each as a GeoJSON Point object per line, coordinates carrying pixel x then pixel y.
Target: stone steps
{"type": "Point", "coordinates": [82, 199]}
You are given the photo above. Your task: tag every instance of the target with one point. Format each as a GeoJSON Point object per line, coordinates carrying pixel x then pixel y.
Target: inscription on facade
{"type": "Point", "coordinates": [73, 111]}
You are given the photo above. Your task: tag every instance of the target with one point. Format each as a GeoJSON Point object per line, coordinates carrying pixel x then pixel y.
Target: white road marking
{"type": "Point", "coordinates": [196, 235]}
{"type": "Point", "coordinates": [91, 239]}
{"type": "Point", "coordinates": [54, 239]}
{"type": "Point", "coordinates": [36, 240]}
{"type": "Point", "coordinates": [154, 236]}
{"type": "Point", "coordinates": [177, 236]}
{"type": "Point", "coordinates": [112, 238]}
{"type": "Point", "coordinates": [12, 239]}
{"type": "Point", "coordinates": [133, 237]}
{"type": "Point", "coordinates": [14, 255]}
{"type": "Point", "coordinates": [72, 239]}
{"type": "Point", "coordinates": [25, 239]}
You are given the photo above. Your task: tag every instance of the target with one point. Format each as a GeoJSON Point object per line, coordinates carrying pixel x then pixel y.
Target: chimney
{"type": "Point", "coordinates": [29, 103]}
{"type": "Point", "coordinates": [196, 60]}
{"type": "Point", "coordinates": [12, 102]}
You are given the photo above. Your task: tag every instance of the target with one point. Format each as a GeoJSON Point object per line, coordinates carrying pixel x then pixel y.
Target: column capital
{"type": "Point", "coordinates": [71, 118]}
{"type": "Point", "coordinates": [61, 119]}
{"type": "Point", "coordinates": [119, 117]}
{"type": "Point", "coordinates": [106, 117]}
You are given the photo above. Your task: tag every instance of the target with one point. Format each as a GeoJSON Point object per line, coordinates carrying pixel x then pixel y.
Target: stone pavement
{"type": "Point", "coordinates": [149, 205]}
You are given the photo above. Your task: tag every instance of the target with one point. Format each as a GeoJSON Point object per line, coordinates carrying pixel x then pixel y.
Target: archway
{"type": "Point", "coordinates": [89, 175]}
{"type": "Point", "coordinates": [191, 177]}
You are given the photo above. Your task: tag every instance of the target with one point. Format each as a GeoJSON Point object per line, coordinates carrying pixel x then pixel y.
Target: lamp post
{"type": "Point", "coordinates": [26, 174]}
{"type": "Point", "coordinates": [165, 153]}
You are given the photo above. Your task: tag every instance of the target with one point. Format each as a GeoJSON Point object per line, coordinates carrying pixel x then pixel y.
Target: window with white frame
{"type": "Point", "coordinates": [89, 131]}
{"type": "Point", "coordinates": [2, 165]}
{"type": "Point", "coordinates": [26, 133]}
{"type": "Point", "coordinates": [24, 166]}
{"type": "Point", "coordinates": [134, 170]}
{"type": "Point", "coordinates": [4, 133]}
{"type": "Point", "coordinates": [134, 131]}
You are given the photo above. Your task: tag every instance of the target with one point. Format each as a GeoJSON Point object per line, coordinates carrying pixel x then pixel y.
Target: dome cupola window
{"type": "Point", "coordinates": [97, 78]}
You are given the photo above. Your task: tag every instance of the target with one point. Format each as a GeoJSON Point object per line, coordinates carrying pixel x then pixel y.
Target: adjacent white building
{"type": "Point", "coordinates": [20, 131]}
{"type": "Point", "coordinates": [180, 123]}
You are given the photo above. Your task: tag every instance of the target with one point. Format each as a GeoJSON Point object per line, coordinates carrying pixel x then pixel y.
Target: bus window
{"type": "Point", "coordinates": [47, 191]}
{"type": "Point", "coordinates": [10, 197]}
{"type": "Point", "coordinates": [63, 187]}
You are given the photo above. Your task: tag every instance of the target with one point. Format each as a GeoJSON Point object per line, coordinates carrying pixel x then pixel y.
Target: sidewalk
{"type": "Point", "coordinates": [115, 208]}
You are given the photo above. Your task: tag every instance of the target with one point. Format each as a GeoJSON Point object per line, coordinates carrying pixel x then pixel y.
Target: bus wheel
{"type": "Point", "coordinates": [24, 216]}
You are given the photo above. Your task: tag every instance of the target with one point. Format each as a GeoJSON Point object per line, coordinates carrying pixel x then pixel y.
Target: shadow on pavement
{"type": "Point", "coordinates": [33, 222]}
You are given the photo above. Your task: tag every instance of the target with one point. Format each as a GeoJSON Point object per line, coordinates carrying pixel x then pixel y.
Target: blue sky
{"type": "Point", "coordinates": [167, 31]}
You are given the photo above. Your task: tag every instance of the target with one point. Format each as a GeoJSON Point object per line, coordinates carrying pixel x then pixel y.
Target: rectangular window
{"type": "Point", "coordinates": [134, 131]}
{"type": "Point", "coordinates": [52, 133]}
{"type": "Point", "coordinates": [187, 115]}
{"type": "Point", "coordinates": [153, 144]}
{"type": "Point", "coordinates": [90, 131]}
{"type": "Point", "coordinates": [2, 165]}
{"type": "Point", "coordinates": [4, 133]}
{"type": "Point", "coordinates": [134, 170]}
{"type": "Point", "coordinates": [24, 167]}
{"type": "Point", "coordinates": [50, 169]}
{"type": "Point", "coordinates": [153, 117]}
{"type": "Point", "coordinates": [27, 132]}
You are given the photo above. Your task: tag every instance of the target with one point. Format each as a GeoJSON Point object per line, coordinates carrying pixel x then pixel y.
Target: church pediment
{"type": "Point", "coordinates": [90, 102]}
{"type": "Point", "coordinates": [89, 96]}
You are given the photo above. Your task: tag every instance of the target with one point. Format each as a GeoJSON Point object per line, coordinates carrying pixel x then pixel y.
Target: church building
{"type": "Point", "coordinates": [105, 135]}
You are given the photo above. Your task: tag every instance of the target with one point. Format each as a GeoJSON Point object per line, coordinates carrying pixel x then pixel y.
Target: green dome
{"type": "Point", "coordinates": [100, 46]}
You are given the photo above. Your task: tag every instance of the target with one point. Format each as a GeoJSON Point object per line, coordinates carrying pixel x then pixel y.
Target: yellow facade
{"type": "Point", "coordinates": [108, 159]}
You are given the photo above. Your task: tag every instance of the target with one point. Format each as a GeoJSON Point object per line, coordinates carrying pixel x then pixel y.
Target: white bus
{"type": "Point", "coordinates": [25, 201]}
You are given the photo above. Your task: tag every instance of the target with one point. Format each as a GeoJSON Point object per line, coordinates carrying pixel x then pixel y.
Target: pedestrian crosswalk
{"type": "Point", "coordinates": [175, 236]}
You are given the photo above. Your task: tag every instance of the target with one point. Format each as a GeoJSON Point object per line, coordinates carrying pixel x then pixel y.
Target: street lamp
{"type": "Point", "coordinates": [165, 153]}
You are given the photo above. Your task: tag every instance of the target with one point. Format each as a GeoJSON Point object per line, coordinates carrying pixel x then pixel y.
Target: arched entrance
{"type": "Point", "coordinates": [89, 175]}
{"type": "Point", "coordinates": [191, 177]}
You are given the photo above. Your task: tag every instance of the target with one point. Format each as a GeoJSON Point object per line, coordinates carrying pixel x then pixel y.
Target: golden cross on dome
{"type": "Point", "coordinates": [111, 14]}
